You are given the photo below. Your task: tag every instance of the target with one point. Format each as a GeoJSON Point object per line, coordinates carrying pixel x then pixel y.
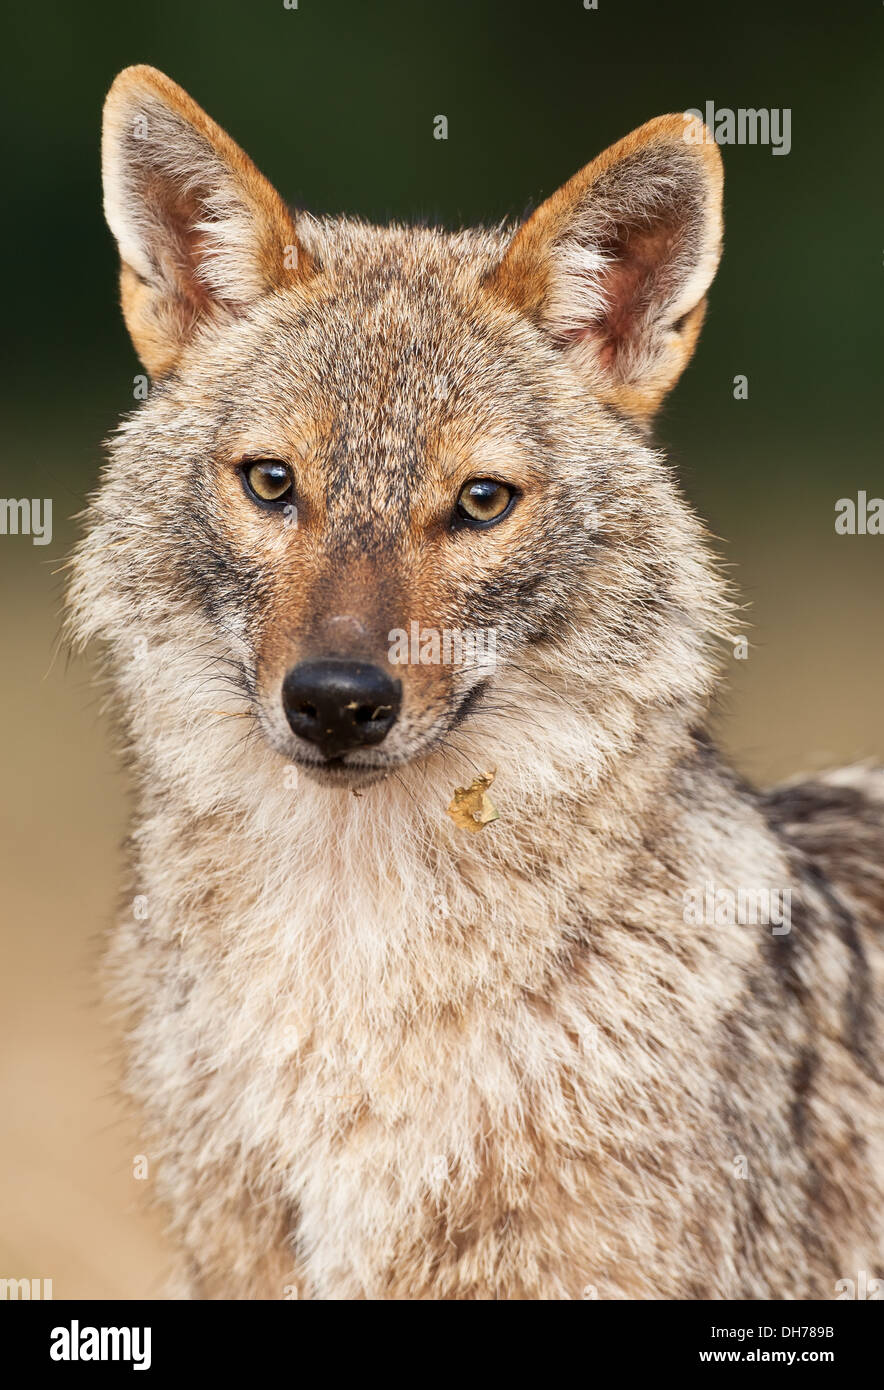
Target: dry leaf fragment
{"type": "Point", "coordinates": [471, 807]}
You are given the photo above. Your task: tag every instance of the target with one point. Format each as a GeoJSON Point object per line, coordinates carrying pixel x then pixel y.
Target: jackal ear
{"type": "Point", "coordinates": [201, 232]}
{"type": "Point", "coordinates": [615, 266]}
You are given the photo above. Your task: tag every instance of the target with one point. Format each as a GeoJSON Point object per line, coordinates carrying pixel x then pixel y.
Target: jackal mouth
{"type": "Point", "coordinates": [339, 772]}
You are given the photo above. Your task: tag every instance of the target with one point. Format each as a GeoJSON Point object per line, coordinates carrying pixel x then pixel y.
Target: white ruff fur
{"type": "Point", "coordinates": [358, 961]}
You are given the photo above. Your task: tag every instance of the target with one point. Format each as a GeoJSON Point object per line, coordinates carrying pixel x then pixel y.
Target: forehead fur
{"type": "Point", "coordinates": [394, 355]}
{"type": "Point", "coordinates": [402, 308]}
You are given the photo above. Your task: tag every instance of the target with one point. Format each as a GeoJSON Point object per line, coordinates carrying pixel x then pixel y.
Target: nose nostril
{"type": "Point", "coordinates": [366, 714]}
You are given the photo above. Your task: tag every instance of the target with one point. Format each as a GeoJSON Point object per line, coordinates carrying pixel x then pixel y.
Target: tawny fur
{"type": "Point", "coordinates": [378, 1057]}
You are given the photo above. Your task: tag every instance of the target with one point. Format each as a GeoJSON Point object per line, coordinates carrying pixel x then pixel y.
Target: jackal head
{"type": "Point", "coordinates": [397, 478]}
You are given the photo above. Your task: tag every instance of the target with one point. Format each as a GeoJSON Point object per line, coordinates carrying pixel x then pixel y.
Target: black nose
{"type": "Point", "coordinates": [340, 705]}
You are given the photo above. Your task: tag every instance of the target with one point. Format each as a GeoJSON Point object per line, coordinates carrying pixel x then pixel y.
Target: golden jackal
{"type": "Point", "coordinates": [380, 1056]}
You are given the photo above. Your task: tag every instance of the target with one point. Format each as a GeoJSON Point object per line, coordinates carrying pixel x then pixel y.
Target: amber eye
{"type": "Point", "coordinates": [268, 480]}
{"type": "Point", "coordinates": [483, 501]}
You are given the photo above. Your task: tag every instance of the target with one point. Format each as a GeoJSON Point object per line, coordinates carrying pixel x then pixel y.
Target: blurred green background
{"type": "Point", "coordinates": [335, 101]}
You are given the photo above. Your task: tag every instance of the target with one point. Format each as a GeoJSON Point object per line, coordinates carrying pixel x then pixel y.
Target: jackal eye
{"type": "Point", "coordinates": [268, 480]}
{"type": "Point", "coordinates": [483, 501]}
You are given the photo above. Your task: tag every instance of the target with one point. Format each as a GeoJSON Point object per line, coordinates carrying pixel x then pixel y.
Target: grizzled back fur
{"type": "Point", "coordinates": [379, 1056]}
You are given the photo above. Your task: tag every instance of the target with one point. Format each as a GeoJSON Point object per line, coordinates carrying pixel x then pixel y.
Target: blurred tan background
{"type": "Point", "coordinates": [336, 101]}
{"type": "Point", "coordinates": [69, 1204]}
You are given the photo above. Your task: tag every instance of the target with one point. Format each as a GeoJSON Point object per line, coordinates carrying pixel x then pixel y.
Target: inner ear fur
{"type": "Point", "coordinates": [615, 266]}
{"type": "Point", "coordinates": [201, 233]}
